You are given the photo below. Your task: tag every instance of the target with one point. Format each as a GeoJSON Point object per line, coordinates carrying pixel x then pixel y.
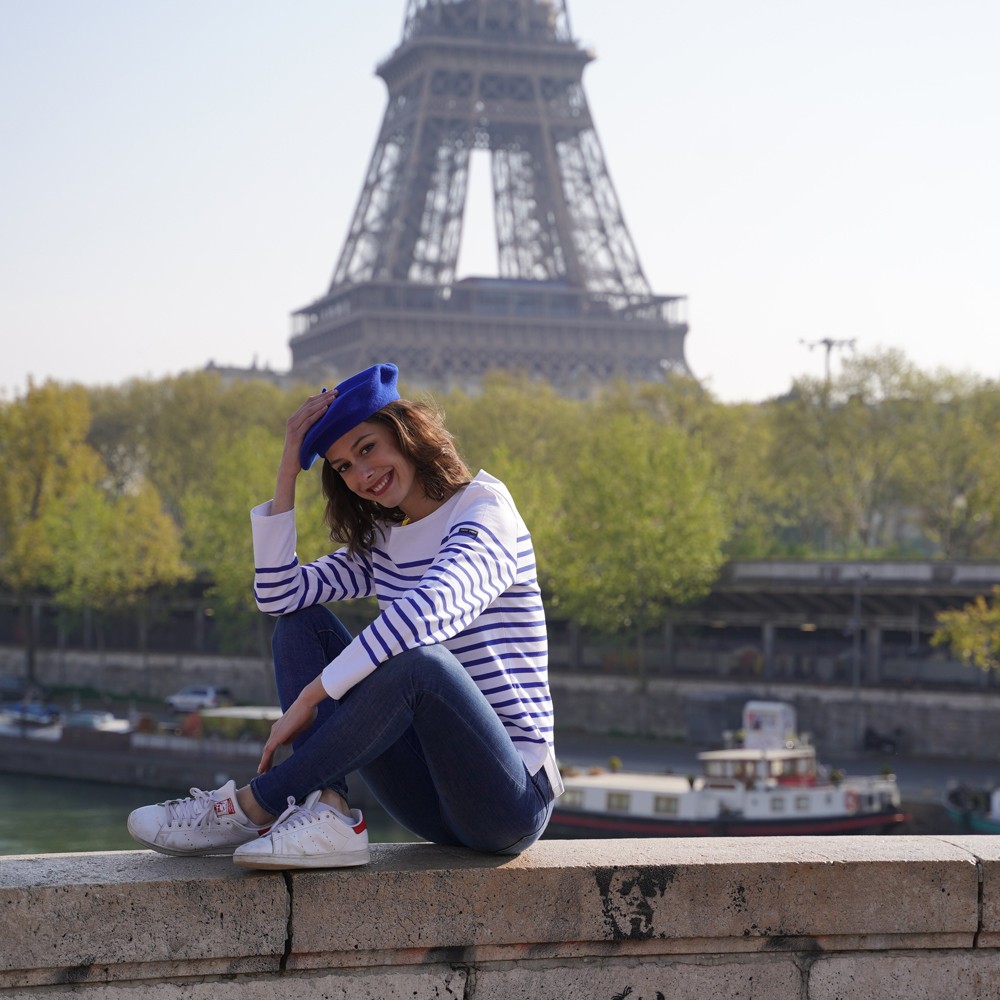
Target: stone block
{"type": "Point", "coordinates": [986, 850]}
{"type": "Point", "coordinates": [75, 918]}
{"type": "Point", "coordinates": [424, 983]}
{"type": "Point", "coordinates": [429, 903]}
{"type": "Point", "coordinates": [932, 975]}
{"type": "Point", "coordinates": [754, 977]}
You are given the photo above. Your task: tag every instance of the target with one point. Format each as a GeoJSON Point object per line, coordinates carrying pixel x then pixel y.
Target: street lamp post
{"type": "Point", "coordinates": [856, 656]}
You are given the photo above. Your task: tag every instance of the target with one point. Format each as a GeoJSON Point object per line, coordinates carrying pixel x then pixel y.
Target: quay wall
{"type": "Point", "coordinates": [932, 723]}
{"type": "Point", "coordinates": [796, 918]}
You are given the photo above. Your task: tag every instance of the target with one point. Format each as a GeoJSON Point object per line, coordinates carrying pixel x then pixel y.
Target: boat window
{"type": "Point", "coordinates": [666, 805]}
{"type": "Point", "coordinates": [618, 802]}
{"type": "Point", "coordinates": [714, 768]}
{"type": "Point", "coordinates": [777, 804]}
{"type": "Point", "coordinates": [802, 803]}
{"type": "Point", "coordinates": [572, 798]}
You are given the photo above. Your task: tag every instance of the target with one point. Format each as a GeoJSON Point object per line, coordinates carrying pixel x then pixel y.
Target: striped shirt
{"type": "Point", "coordinates": [463, 576]}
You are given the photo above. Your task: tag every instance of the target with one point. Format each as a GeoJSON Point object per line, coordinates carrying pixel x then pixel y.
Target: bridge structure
{"type": "Point", "coordinates": [848, 619]}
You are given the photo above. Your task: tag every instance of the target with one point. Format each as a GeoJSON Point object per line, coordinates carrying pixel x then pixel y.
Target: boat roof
{"type": "Point", "coordinates": [631, 781]}
{"type": "Point", "coordinates": [743, 754]}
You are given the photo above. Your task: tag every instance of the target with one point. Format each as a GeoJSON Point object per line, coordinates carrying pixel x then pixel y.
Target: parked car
{"type": "Point", "coordinates": [198, 696]}
{"type": "Point", "coordinates": [33, 713]}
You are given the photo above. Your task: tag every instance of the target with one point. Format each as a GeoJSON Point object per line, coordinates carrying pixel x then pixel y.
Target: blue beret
{"type": "Point", "coordinates": [357, 399]}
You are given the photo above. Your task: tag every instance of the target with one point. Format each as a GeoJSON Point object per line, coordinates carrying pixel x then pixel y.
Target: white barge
{"type": "Point", "coordinates": [771, 785]}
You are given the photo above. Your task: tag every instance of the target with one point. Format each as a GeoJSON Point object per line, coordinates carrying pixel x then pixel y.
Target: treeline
{"type": "Point", "coordinates": [635, 499]}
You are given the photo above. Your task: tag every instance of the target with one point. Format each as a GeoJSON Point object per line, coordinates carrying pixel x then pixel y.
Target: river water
{"type": "Point", "coordinates": [55, 815]}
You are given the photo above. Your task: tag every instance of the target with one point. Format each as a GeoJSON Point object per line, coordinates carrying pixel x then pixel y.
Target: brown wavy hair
{"type": "Point", "coordinates": [422, 438]}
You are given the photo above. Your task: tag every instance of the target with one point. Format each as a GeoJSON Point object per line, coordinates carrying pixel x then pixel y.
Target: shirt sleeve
{"type": "Point", "coordinates": [477, 562]}
{"type": "Point", "coordinates": [282, 585]}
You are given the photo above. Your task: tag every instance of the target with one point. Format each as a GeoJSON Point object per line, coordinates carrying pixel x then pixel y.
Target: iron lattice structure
{"type": "Point", "coordinates": [571, 303]}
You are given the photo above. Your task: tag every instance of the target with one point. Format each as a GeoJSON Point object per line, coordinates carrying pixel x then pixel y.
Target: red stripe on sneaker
{"type": "Point", "coordinates": [361, 826]}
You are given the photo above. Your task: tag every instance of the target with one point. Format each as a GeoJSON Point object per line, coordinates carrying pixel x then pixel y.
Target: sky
{"type": "Point", "coordinates": [178, 177]}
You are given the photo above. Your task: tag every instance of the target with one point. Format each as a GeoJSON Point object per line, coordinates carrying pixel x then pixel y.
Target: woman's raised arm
{"type": "Point", "coordinates": [295, 431]}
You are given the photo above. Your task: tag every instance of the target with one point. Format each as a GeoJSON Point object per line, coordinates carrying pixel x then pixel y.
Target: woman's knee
{"type": "Point", "coordinates": [305, 624]}
{"type": "Point", "coordinates": [434, 657]}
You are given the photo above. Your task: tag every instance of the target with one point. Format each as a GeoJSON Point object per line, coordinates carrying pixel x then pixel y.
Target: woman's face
{"type": "Point", "coordinates": [369, 461]}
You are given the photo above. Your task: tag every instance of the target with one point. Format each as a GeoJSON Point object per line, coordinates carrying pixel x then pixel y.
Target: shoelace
{"type": "Point", "coordinates": [295, 815]}
{"type": "Point", "coordinates": [194, 811]}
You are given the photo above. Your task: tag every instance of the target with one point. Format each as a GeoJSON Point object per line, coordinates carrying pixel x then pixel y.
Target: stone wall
{"type": "Point", "coordinates": [799, 918]}
{"type": "Point", "coordinates": [956, 725]}
{"type": "Point", "coordinates": [935, 723]}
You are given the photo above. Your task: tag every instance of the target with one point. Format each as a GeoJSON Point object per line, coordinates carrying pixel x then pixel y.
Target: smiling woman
{"type": "Point", "coordinates": [441, 703]}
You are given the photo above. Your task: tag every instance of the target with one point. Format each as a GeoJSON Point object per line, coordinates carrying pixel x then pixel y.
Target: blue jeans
{"type": "Point", "coordinates": [422, 735]}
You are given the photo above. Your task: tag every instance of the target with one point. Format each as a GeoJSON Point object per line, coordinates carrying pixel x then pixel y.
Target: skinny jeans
{"type": "Point", "coordinates": [422, 735]}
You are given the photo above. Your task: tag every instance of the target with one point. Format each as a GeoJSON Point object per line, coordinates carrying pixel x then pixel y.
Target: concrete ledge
{"type": "Point", "coordinates": [813, 917]}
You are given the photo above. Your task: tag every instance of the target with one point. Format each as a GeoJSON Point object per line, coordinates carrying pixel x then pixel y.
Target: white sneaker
{"type": "Point", "coordinates": [205, 823]}
{"type": "Point", "coordinates": [309, 837]}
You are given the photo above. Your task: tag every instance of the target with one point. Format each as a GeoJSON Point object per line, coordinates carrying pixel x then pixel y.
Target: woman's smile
{"type": "Point", "coordinates": [382, 485]}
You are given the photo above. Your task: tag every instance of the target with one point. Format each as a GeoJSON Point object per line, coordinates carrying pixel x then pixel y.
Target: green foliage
{"type": "Point", "coordinates": [841, 448]}
{"type": "Point", "coordinates": [973, 632]}
{"type": "Point", "coordinates": [45, 467]}
{"type": "Point", "coordinates": [952, 481]}
{"type": "Point", "coordinates": [217, 514]}
{"type": "Point", "coordinates": [112, 550]}
{"type": "Point", "coordinates": [633, 499]}
{"type": "Point", "coordinates": [740, 440]}
{"type": "Point", "coordinates": [173, 431]}
{"type": "Point", "coordinates": [641, 528]}
{"type": "Point", "coordinates": [522, 433]}
{"type": "Point", "coordinates": [62, 530]}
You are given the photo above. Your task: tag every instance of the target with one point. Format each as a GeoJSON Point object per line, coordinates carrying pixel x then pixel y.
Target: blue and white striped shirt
{"type": "Point", "coordinates": [463, 576]}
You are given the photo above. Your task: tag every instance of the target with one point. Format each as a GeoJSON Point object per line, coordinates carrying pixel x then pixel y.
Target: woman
{"type": "Point", "coordinates": [441, 703]}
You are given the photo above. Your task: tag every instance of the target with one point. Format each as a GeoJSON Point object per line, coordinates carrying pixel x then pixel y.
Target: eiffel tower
{"type": "Point", "coordinates": [571, 303]}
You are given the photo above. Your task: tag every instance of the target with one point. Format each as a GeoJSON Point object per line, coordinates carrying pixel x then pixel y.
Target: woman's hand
{"type": "Point", "coordinates": [299, 716]}
{"type": "Point", "coordinates": [295, 431]}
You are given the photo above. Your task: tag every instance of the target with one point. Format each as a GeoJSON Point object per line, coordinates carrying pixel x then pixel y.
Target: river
{"type": "Point", "coordinates": [54, 815]}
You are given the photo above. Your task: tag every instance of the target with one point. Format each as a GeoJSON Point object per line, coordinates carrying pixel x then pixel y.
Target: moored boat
{"type": "Point", "coordinates": [770, 785]}
{"type": "Point", "coordinates": [974, 810]}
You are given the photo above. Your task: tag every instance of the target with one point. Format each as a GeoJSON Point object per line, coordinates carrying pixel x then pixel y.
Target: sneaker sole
{"type": "Point", "coordinates": [199, 853]}
{"type": "Point", "coordinates": [174, 852]}
{"type": "Point", "coordinates": [341, 859]}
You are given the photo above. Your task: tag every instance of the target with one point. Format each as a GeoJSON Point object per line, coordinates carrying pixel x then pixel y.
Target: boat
{"type": "Point", "coordinates": [768, 783]}
{"type": "Point", "coordinates": [972, 809]}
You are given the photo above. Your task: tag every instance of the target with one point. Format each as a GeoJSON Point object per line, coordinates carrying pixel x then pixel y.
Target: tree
{"type": "Point", "coordinates": [217, 514]}
{"type": "Point", "coordinates": [171, 432]}
{"type": "Point", "coordinates": [973, 632]}
{"type": "Point", "coordinates": [951, 474]}
{"type": "Point", "coordinates": [641, 529]}
{"type": "Point", "coordinates": [46, 466]}
{"type": "Point", "coordinates": [113, 549]}
{"type": "Point", "coordinates": [524, 434]}
{"type": "Point", "coordinates": [840, 447]}
{"type": "Point", "coordinates": [739, 438]}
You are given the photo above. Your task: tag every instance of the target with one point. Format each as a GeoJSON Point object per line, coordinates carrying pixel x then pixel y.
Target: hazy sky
{"type": "Point", "coordinates": [178, 177]}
